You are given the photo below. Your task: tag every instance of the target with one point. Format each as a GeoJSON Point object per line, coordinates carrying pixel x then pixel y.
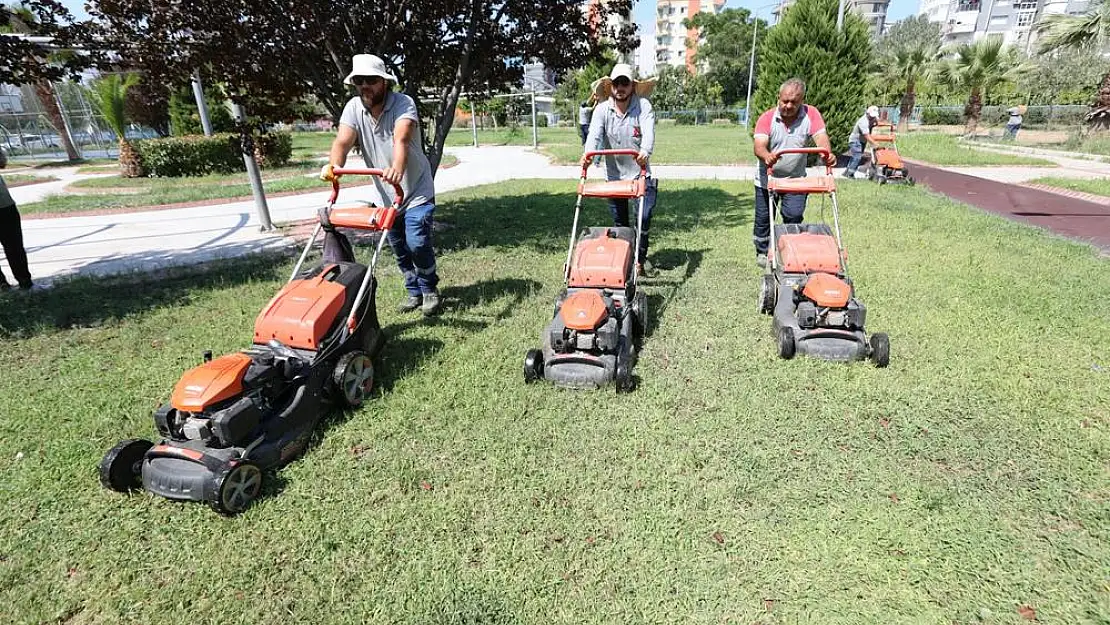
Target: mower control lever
{"type": "Point", "coordinates": [620, 152]}
{"type": "Point", "coordinates": [345, 171]}
{"type": "Point", "coordinates": [825, 154]}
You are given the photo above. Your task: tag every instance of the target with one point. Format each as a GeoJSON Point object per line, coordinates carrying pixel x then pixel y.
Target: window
{"type": "Point", "coordinates": [1025, 6]}
{"type": "Point", "coordinates": [968, 5]}
{"type": "Point", "coordinates": [1024, 19]}
{"type": "Point", "coordinates": [1000, 20]}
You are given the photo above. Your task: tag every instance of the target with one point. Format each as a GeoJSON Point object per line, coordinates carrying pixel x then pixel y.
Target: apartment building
{"type": "Point", "coordinates": [872, 11]}
{"type": "Point", "coordinates": [674, 44]}
{"type": "Point", "coordinates": [1014, 20]}
{"type": "Point", "coordinates": [614, 22]}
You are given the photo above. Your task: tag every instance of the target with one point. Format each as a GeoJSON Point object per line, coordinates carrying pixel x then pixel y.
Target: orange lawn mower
{"type": "Point", "coordinates": [234, 417]}
{"type": "Point", "coordinates": [600, 315]}
{"type": "Point", "coordinates": [807, 290]}
{"type": "Point", "coordinates": [886, 163]}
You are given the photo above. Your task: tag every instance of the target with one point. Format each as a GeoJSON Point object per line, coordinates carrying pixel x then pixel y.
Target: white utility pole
{"type": "Point", "coordinates": [751, 74]}
{"type": "Point", "coordinates": [252, 168]}
{"type": "Point", "coordinates": [840, 17]}
{"type": "Point", "coordinates": [198, 93]}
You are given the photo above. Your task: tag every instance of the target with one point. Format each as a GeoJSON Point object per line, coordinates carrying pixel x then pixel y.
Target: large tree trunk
{"type": "Point", "coordinates": [449, 99]}
{"type": "Point", "coordinates": [906, 108]}
{"type": "Point", "coordinates": [45, 92]}
{"type": "Point", "coordinates": [972, 111]}
{"type": "Point", "coordinates": [129, 165]}
{"type": "Point", "coordinates": [1098, 118]}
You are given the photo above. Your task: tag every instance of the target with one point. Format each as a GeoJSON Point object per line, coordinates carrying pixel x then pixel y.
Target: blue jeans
{"type": "Point", "coordinates": [1011, 131]}
{"type": "Point", "coordinates": [857, 157]}
{"type": "Point", "coordinates": [793, 207]}
{"type": "Point", "coordinates": [411, 240]}
{"type": "Point", "coordinates": [619, 210]}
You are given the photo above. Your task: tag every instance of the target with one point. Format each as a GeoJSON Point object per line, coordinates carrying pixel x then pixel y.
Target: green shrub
{"type": "Point", "coordinates": [685, 119]}
{"type": "Point", "coordinates": [273, 149]}
{"type": "Point", "coordinates": [942, 117]}
{"type": "Point", "coordinates": [197, 155]}
{"type": "Point", "coordinates": [834, 64]}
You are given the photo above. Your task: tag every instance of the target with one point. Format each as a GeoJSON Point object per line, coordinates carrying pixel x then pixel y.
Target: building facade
{"type": "Point", "coordinates": [872, 11]}
{"type": "Point", "coordinates": [676, 45]}
{"type": "Point", "coordinates": [614, 22]}
{"type": "Point", "coordinates": [966, 21]}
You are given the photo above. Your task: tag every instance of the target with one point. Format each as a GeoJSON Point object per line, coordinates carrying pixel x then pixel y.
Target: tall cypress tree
{"type": "Point", "coordinates": [834, 65]}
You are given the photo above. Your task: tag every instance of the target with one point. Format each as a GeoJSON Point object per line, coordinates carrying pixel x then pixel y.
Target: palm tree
{"type": "Point", "coordinates": [1076, 32]}
{"type": "Point", "coordinates": [20, 19]}
{"type": "Point", "coordinates": [907, 66]}
{"type": "Point", "coordinates": [109, 94]}
{"type": "Point", "coordinates": [975, 69]}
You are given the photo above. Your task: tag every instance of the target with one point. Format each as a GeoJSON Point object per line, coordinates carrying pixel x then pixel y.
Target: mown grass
{"type": "Point", "coordinates": [1097, 186]}
{"type": "Point", "coordinates": [13, 180]}
{"type": "Point", "coordinates": [941, 149]}
{"type": "Point", "coordinates": [312, 144]}
{"type": "Point", "coordinates": [965, 481]}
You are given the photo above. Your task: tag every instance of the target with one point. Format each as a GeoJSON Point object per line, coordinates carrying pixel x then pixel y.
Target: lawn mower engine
{"type": "Point", "coordinates": [590, 339]}
{"type": "Point", "coordinates": [825, 301]}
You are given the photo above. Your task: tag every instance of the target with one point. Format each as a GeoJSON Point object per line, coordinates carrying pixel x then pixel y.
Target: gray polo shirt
{"type": "Point", "coordinates": [609, 130]}
{"type": "Point", "coordinates": [584, 115]}
{"type": "Point", "coordinates": [376, 139]}
{"type": "Point", "coordinates": [5, 197]}
{"type": "Point", "coordinates": [809, 123]}
{"type": "Point", "coordinates": [862, 127]}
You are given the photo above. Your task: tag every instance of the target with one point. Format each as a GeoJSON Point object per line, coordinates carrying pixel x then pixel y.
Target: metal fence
{"type": "Point", "coordinates": [1038, 117]}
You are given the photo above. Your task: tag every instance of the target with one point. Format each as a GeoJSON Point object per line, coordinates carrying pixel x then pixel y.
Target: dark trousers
{"type": "Point", "coordinates": [792, 205]}
{"type": "Point", "coordinates": [11, 238]}
{"type": "Point", "coordinates": [620, 211]}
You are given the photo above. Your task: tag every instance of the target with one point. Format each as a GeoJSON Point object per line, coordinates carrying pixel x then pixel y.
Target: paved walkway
{"type": "Point", "coordinates": [139, 241]}
{"type": "Point", "coordinates": [1069, 216]}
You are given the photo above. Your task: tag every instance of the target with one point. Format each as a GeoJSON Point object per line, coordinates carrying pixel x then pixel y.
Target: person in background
{"type": "Point", "coordinates": [11, 237]}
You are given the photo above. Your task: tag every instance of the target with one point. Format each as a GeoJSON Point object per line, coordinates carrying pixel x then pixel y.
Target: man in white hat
{"type": "Point", "coordinates": [387, 127]}
{"type": "Point", "coordinates": [860, 139]}
{"type": "Point", "coordinates": [624, 119]}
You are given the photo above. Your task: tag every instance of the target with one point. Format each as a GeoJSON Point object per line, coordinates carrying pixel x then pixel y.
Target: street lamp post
{"type": "Point", "coordinates": [751, 74]}
{"type": "Point", "coordinates": [840, 17]}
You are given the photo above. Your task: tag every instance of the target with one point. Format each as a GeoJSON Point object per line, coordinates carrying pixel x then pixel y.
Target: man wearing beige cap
{"type": "Point", "coordinates": [387, 127]}
{"type": "Point", "coordinates": [624, 119]}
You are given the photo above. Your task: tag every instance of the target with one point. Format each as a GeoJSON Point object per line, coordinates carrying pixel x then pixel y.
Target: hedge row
{"type": "Point", "coordinates": [200, 155]}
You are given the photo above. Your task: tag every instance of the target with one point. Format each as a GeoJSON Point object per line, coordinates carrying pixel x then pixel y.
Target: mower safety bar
{"type": "Point", "coordinates": [621, 152]}
{"type": "Point", "coordinates": [343, 171]}
{"type": "Point", "coordinates": [822, 151]}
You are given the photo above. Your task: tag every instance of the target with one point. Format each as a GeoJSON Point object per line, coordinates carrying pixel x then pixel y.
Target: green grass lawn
{"type": "Point", "coordinates": [940, 149]}
{"type": "Point", "coordinates": [311, 144]}
{"type": "Point", "coordinates": [1098, 186]}
{"type": "Point", "coordinates": [13, 180]}
{"type": "Point", "coordinates": [962, 483]}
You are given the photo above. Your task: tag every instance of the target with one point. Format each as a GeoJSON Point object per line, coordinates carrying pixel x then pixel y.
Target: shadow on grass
{"type": "Point", "coordinates": [401, 354]}
{"type": "Point", "coordinates": [661, 291]}
{"type": "Point", "coordinates": [84, 301]}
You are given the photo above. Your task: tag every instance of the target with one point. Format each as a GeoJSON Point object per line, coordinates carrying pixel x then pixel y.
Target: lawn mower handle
{"type": "Point", "coordinates": [822, 151]}
{"type": "Point", "coordinates": [342, 171]}
{"type": "Point", "coordinates": [621, 152]}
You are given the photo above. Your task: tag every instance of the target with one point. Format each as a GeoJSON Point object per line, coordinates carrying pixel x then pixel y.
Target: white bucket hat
{"type": "Point", "coordinates": [873, 111]}
{"type": "Point", "coordinates": [603, 87]}
{"type": "Point", "coordinates": [368, 65]}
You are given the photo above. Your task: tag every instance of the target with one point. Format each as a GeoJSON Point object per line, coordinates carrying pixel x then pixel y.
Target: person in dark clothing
{"type": "Point", "coordinates": [11, 236]}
